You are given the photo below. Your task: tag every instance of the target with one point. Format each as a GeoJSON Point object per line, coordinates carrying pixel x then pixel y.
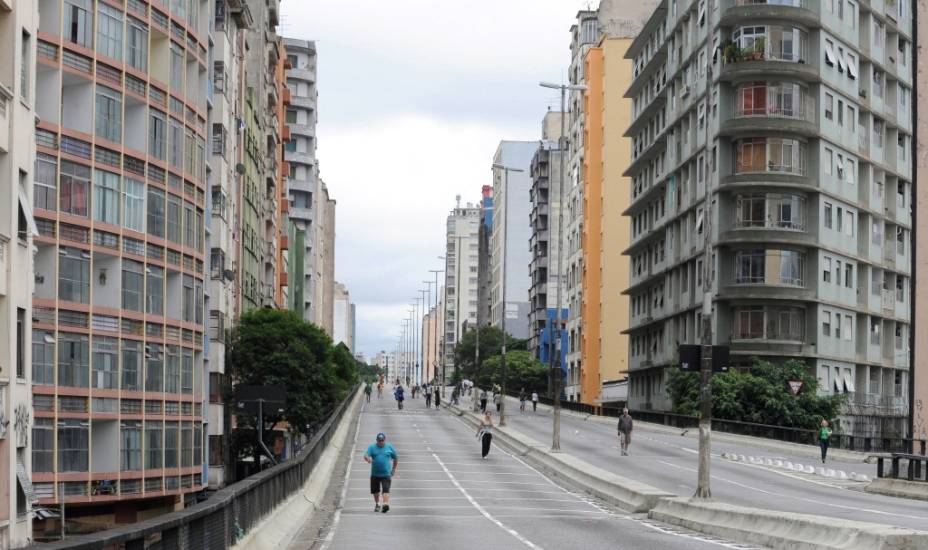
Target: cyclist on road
{"type": "Point", "coordinates": [383, 460]}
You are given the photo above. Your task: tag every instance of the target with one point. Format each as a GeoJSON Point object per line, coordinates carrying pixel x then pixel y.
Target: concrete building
{"type": "Point", "coordinates": [584, 34]}
{"type": "Point", "coordinates": [483, 255]}
{"type": "Point", "coordinates": [544, 221]}
{"type": "Point", "coordinates": [304, 185]}
{"type": "Point", "coordinates": [324, 239]}
{"type": "Point", "coordinates": [118, 307]}
{"type": "Point", "coordinates": [802, 141]}
{"type": "Point", "coordinates": [21, 181]}
{"type": "Point", "coordinates": [431, 342]}
{"type": "Point", "coordinates": [918, 411]}
{"type": "Point", "coordinates": [225, 154]}
{"type": "Point", "coordinates": [461, 276]}
{"type": "Point", "coordinates": [387, 362]}
{"type": "Point", "coordinates": [509, 255]}
{"type": "Point", "coordinates": [344, 317]}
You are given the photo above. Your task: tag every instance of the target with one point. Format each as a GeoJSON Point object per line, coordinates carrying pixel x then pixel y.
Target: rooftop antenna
{"type": "Point", "coordinates": [457, 199]}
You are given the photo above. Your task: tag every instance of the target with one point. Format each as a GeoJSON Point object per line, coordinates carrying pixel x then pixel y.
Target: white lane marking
{"type": "Point", "coordinates": [337, 516]}
{"type": "Point", "coordinates": [809, 500]}
{"type": "Point", "coordinates": [495, 499]}
{"type": "Point", "coordinates": [483, 511]}
{"type": "Point", "coordinates": [506, 491]}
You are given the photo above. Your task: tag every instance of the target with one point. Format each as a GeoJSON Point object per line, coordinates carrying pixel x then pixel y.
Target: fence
{"type": "Point", "coordinates": [219, 521]}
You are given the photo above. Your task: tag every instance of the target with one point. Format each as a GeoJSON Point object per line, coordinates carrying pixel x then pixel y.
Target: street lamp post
{"type": "Point", "coordinates": [425, 307]}
{"type": "Point", "coordinates": [556, 333]}
{"type": "Point", "coordinates": [502, 402]}
{"type": "Point", "coordinates": [444, 321]}
{"type": "Point", "coordinates": [427, 349]}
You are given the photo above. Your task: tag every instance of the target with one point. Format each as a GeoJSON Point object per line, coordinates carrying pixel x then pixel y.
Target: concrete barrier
{"type": "Point", "coordinates": [783, 529]}
{"type": "Point", "coordinates": [901, 488]}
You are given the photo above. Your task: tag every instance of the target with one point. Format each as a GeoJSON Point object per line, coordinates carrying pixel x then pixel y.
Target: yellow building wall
{"type": "Point", "coordinates": [606, 232]}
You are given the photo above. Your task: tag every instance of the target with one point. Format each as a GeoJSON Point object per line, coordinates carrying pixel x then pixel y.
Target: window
{"type": "Point", "coordinates": [74, 275]}
{"type": "Point", "coordinates": [24, 67]}
{"type": "Point", "coordinates": [73, 360]}
{"type": "Point", "coordinates": [848, 275]}
{"type": "Point", "coordinates": [154, 435]}
{"type": "Point", "coordinates": [848, 223]}
{"type": "Point", "coordinates": [134, 205]}
{"type": "Point", "coordinates": [170, 444]}
{"type": "Point", "coordinates": [174, 218]}
{"type": "Point", "coordinates": [769, 323]}
{"type": "Point", "coordinates": [45, 188]}
{"type": "Point", "coordinates": [829, 106]}
{"type": "Point", "coordinates": [154, 291]}
{"type": "Point", "coordinates": [826, 269]}
{"type": "Point", "coordinates": [154, 367]}
{"type": "Point", "coordinates": [172, 370]}
{"type": "Point", "coordinates": [105, 363]}
{"type": "Point", "coordinates": [879, 33]}
{"type": "Point", "coordinates": [20, 343]}
{"type": "Point", "coordinates": [73, 445]}
{"type": "Point", "coordinates": [900, 240]}
{"type": "Point", "coordinates": [75, 188]}
{"type": "Point", "coordinates": [186, 444]}
{"type": "Point", "coordinates": [109, 31]}
{"type": "Point", "coordinates": [131, 445]}
{"type": "Point", "coordinates": [78, 22]}
{"type": "Point", "coordinates": [190, 226]}
{"type": "Point", "coordinates": [828, 161]}
{"type": "Point", "coordinates": [43, 445]}
{"type": "Point", "coordinates": [43, 358]}
{"type": "Point", "coordinates": [848, 328]}
{"type": "Point", "coordinates": [828, 215]}
{"type": "Point", "coordinates": [132, 284]}
{"type": "Point", "coordinates": [106, 197]}
{"type": "Point", "coordinates": [155, 212]}
{"type": "Point", "coordinates": [830, 52]}
{"type": "Point", "coordinates": [156, 134]}
{"type": "Point", "coordinates": [137, 44]}
{"type": "Point", "coordinates": [900, 288]}
{"type": "Point", "coordinates": [826, 323]}
{"type": "Point", "coordinates": [188, 299]}
{"type": "Point", "coordinates": [877, 232]}
{"type": "Point", "coordinates": [177, 68]}
{"type": "Point", "coordinates": [186, 372]}
{"type": "Point", "coordinates": [131, 365]}
{"type": "Point", "coordinates": [851, 65]}
{"type": "Point", "coordinates": [782, 267]}
{"type": "Point", "coordinates": [176, 144]}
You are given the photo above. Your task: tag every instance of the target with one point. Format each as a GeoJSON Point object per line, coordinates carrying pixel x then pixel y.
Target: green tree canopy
{"type": "Point", "coordinates": [522, 371]}
{"type": "Point", "coordinates": [491, 343]}
{"type": "Point", "coordinates": [761, 395]}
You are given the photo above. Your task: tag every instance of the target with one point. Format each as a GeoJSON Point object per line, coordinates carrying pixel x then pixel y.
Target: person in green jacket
{"type": "Point", "coordinates": [823, 435]}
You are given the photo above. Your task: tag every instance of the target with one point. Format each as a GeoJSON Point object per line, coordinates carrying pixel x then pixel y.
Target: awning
{"type": "Point", "coordinates": [851, 68]}
{"type": "Point", "coordinates": [848, 380]}
{"type": "Point", "coordinates": [25, 482]}
{"type": "Point", "coordinates": [829, 54]}
{"type": "Point", "coordinates": [27, 211]}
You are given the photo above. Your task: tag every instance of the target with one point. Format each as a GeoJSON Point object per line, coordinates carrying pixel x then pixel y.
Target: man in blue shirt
{"type": "Point", "coordinates": [383, 460]}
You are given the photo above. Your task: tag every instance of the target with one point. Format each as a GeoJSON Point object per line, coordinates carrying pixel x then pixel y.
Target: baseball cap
{"type": "Point", "coordinates": [381, 436]}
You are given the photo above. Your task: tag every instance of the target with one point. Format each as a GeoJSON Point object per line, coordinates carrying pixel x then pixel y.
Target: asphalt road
{"type": "Point", "coordinates": [669, 462]}
{"type": "Point", "coordinates": [446, 497]}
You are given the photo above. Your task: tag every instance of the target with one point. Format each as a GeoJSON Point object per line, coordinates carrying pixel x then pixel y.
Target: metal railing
{"type": "Point", "coordinates": [222, 519]}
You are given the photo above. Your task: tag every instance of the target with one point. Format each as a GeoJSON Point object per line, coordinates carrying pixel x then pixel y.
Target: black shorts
{"type": "Point", "coordinates": [380, 485]}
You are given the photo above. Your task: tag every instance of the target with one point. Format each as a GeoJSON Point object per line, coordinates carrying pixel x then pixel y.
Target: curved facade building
{"type": "Point", "coordinates": [123, 90]}
{"type": "Point", "coordinates": [780, 133]}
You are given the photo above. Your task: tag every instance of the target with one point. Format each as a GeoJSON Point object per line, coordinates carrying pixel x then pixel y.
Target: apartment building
{"type": "Point", "coordinates": [325, 259]}
{"type": "Point", "coordinates": [918, 414]}
{"type": "Point", "coordinates": [18, 180]}
{"type": "Point", "coordinates": [431, 325]}
{"type": "Point", "coordinates": [485, 230]}
{"type": "Point", "coordinates": [344, 317]}
{"type": "Point", "coordinates": [304, 185]}
{"type": "Point", "coordinates": [509, 255]}
{"type": "Point", "coordinates": [798, 130]}
{"type": "Point", "coordinates": [461, 276]}
{"type": "Point", "coordinates": [544, 221]}
{"type": "Point", "coordinates": [122, 95]}
{"type": "Point", "coordinates": [584, 34]}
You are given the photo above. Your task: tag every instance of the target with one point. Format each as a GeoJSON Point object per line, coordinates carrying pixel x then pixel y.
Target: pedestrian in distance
{"type": "Point", "coordinates": [399, 395]}
{"type": "Point", "coordinates": [437, 396]}
{"type": "Point", "coordinates": [367, 391]}
{"type": "Point", "coordinates": [823, 436]}
{"type": "Point", "coordinates": [483, 400]}
{"type": "Point", "coordinates": [534, 401]}
{"type": "Point", "coordinates": [485, 434]}
{"type": "Point", "coordinates": [380, 390]}
{"type": "Point", "coordinates": [625, 431]}
{"type": "Point", "coordinates": [522, 399]}
{"type": "Point", "coordinates": [497, 400]}
{"type": "Point", "coordinates": [428, 397]}
{"type": "Point", "coordinates": [383, 460]}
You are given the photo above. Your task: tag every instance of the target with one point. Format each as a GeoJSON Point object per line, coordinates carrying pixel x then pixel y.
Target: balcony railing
{"type": "Point", "coordinates": [793, 3]}
{"type": "Point", "coordinates": [802, 108]}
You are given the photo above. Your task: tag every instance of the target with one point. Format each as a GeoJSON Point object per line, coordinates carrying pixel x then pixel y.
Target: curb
{"type": "Point", "coordinates": [900, 488]}
{"type": "Point", "coordinates": [783, 529]}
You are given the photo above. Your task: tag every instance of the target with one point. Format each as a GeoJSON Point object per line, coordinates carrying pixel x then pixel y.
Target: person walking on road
{"type": "Point", "coordinates": [367, 391]}
{"type": "Point", "coordinates": [497, 400]}
{"type": "Point", "coordinates": [437, 395]}
{"type": "Point", "coordinates": [483, 400]}
{"type": "Point", "coordinates": [485, 433]}
{"type": "Point", "coordinates": [383, 460]}
{"type": "Point", "coordinates": [380, 390]}
{"type": "Point", "coordinates": [625, 431]}
{"type": "Point", "coordinates": [428, 397]}
{"type": "Point", "coordinates": [522, 399]}
{"type": "Point", "coordinates": [823, 435]}
{"type": "Point", "coordinates": [399, 395]}
{"type": "Point", "coordinates": [534, 401]}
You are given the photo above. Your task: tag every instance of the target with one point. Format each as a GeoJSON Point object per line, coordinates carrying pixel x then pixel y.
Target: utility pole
{"type": "Point", "coordinates": [557, 372]}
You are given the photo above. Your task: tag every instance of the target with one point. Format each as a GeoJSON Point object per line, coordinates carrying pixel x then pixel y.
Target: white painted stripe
{"type": "Point", "coordinates": [483, 511]}
{"type": "Point", "coordinates": [336, 516]}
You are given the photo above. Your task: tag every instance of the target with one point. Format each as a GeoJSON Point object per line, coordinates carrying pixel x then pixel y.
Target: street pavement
{"type": "Point", "coordinates": [445, 496]}
{"type": "Point", "coordinates": [669, 462]}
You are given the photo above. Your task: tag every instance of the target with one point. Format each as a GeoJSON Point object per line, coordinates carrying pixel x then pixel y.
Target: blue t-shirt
{"type": "Point", "coordinates": [381, 459]}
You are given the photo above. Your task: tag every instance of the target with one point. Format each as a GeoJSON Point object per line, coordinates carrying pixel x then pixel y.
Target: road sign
{"type": "Point", "coordinates": [691, 358]}
{"type": "Point", "coordinates": [795, 386]}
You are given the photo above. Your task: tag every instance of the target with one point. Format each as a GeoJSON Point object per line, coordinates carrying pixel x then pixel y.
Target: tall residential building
{"type": "Point", "coordinates": [431, 340]}
{"type": "Point", "coordinates": [799, 132]}
{"type": "Point", "coordinates": [605, 232]}
{"type": "Point", "coordinates": [544, 221]}
{"type": "Point", "coordinates": [387, 362]}
{"type": "Point", "coordinates": [344, 317]}
{"type": "Point", "coordinates": [225, 195]}
{"type": "Point", "coordinates": [509, 255]}
{"type": "Point", "coordinates": [325, 259]}
{"type": "Point", "coordinates": [282, 231]}
{"type": "Point", "coordinates": [460, 285]}
{"type": "Point", "coordinates": [304, 185]}
{"type": "Point", "coordinates": [483, 255]}
{"type": "Point", "coordinates": [584, 34]}
{"type": "Point", "coordinates": [21, 179]}
{"type": "Point", "coordinates": [118, 322]}
{"type": "Point", "coordinates": [918, 412]}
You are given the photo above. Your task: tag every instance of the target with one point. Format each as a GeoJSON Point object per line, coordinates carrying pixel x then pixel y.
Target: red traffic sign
{"type": "Point", "coordinates": [795, 386]}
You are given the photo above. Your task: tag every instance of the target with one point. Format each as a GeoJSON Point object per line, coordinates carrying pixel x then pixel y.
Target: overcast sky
{"type": "Point", "coordinates": [414, 97]}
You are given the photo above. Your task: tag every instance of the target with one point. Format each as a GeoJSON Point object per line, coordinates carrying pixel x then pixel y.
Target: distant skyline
{"type": "Point", "coordinates": [412, 104]}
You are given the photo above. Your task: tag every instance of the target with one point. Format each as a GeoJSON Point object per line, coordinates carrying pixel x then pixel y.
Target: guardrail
{"type": "Point", "coordinates": [222, 519]}
{"type": "Point", "coordinates": [916, 466]}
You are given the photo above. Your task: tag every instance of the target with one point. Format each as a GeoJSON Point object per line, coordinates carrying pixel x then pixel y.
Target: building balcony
{"type": "Point", "coordinates": [876, 404]}
{"type": "Point", "coordinates": [305, 130]}
{"type": "Point", "coordinates": [304, 214]}
{"type": "Point", "coordinates": [735, 11]}
{"type": "Point", "coordinates": [286, 134]}
{"type": "Point", "coordinates": [299, 157]}
{"type": "Point", "coordinates": [6, 105]}
{"type": "Point", "coordinates": [287, 96]}
{"type": "Point", "coordinates": [306, 75]}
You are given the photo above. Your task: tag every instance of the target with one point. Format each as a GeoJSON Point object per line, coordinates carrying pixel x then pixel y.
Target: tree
{"type": "Point", "coordinates": [760, 395]}
{"type": "Point", "coordinates": [522, 371]}
{"type": "Point", "coordinates": [491, 344]}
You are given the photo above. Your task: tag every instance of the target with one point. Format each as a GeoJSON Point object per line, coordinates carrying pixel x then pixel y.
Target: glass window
{"type": "Point", "coordinates": [131, 364]}
{"type": "Point", "coordinates": [43, 357]}
{"type": "Point", "coordinates": [73, 360]}
{"type": "Point", "coordinates": [186, 372]}
{"type": "Point", "coordinates": [75, 188]}
{"type": "Point", "coordinates": [74, 275]}
{"type": "Point", "coordinates": [78, 22]}
{"type": "Point", "coordinates": [137, 44]}
{"type": "Point", "coordinates": [133, 205]}
{"type": "Point", "coordinates": [155, 212]}
{"type": "Point", "coordinates": [188, 299]}
{"type": "Point", "coordinates": [175, 206]}
{"type": "Point", "coordinates": [154, 434]}
{"type": "Point", "coordinates": [177, 68]}
{"type": "Point", "coordinates": [73, 445]}
{"type": "Point", "coordinates": [132, 284]}
{"type": "Point", "coordinates": [172, 370]}
{"type": "Point", "coordinates": [109, 31]}
{"type": "Point", "coordinates": [826, 269]}
{"type": "Point", "coordinates": [197, 444]}
{"type": "Point", "coordinates": [176, 144]}
{"type": "Point", "coordinates": [154, 291]}
{"type": "Point", "coordinates": [43, 445]}
{"type": "Point", "coordinates": [154, 367]}
{"type": "Point", "coordinates": [829, 216]}
{"type": "Point", "coordinates": [769, 323]}
{"type": "Point", "coordinates": [170, 444]}
{"type": "Point", "coordinates": [826, 323]}
{"type": "Point", "coordinates": [106, 197]}
{"type": "Point", "coordinates": [156, 134]}
{"type": "Point", "coordinates": [105, 363]}
{"type": "Point", "coordinates": [131, 445]}
{"type": "Point", "coordinates": [186, 441]}
{"type": "Point", "coordinates": [45, 190]}
{"type": "Point", "coordinates": [190, 225]}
